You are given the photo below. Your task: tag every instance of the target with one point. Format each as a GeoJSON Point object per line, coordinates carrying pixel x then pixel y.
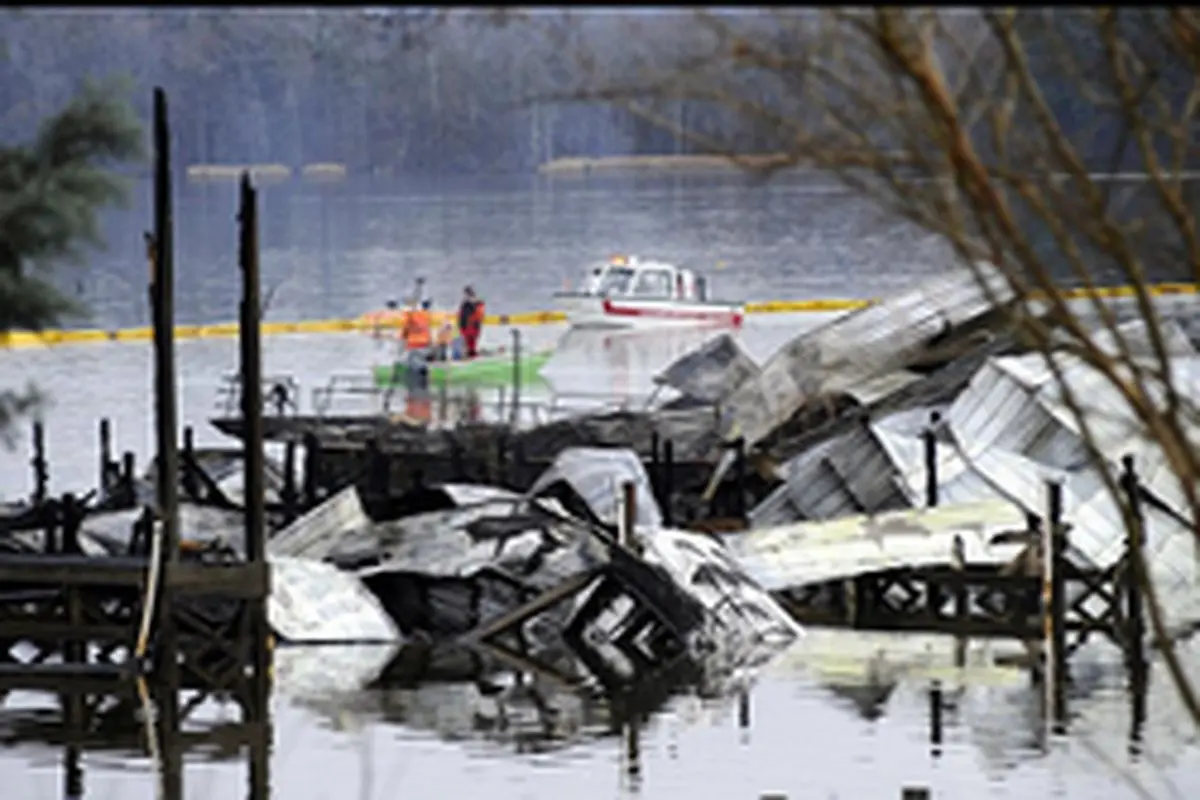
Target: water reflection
{"type": "Point", "coordinates": [656, 729]}
{"type": "Point", "coordinates": [619, 363]}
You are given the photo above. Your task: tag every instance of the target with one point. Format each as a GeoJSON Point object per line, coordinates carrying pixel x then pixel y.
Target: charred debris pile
{"type": "Point", "coordinates": [577, 578]}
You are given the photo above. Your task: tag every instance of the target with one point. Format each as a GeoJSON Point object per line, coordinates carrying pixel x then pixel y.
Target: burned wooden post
{"type": "Point", "coordinates": [633, 748]}
{"type": "Point", "coordinates": [458, 466]}
{"type": "Point", "coordinates": [250, 337]}
{"type": "Point", "coordinates": [936, 707]}
{"type": "Point", "coordinates": [128, 482]}
{"type": "Point", "coordinates": [41, 472]}
{"type": "Point", "coordinates": [143, 529]}
{"type": "Point", "coordinates": [744, 710]}
{"type": "Point", "coordinates": [1054, 597]}
{"type": "Point", "coordinates": [655, 468]}
{"type": "Point", "coordinates": [52, 523]}
{"type": "Point", "coordinates": [288, 492]}
{"type": "Point", "coordinates": [668, 482]}
{"type": "Point", "coordinates": [161, 252]}
{"type": "Point", "coordinates": [379, 468]}
{"type": "Point", "coordinates": [962, 594]}
{"type": "Point", "coordinates": [915, 793]}
{"type": "Point", "coordinates": [503, 478]}
{"type": "Point", "coordinates": [516, 377]}
{"type": "Point", "coordinates": [312, 469]}
{"type": "Point", "coordinates": [75, 651]}
{"type": "Point", "coordinates": [188, 464]}
{"type": "Point", "coordinates": [1135, 542]}
{"type": "Point", "coordinates": [105, 454]}
{"type": "Point", "coordinates": [739, 479]}
{"type": "Point", "coordinates": [929, 436]}
{"type": "Point", "coordinates": [72, 520]}
{"type": "Point", "coordinates": [628, 519]}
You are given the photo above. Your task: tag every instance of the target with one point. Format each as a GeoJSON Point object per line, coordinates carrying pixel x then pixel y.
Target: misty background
{"type": "Point", "coordinates": [440, 120]}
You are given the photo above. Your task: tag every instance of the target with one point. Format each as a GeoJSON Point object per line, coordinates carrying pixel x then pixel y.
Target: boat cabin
{"type": "Point", "coordinates": [630, 277]}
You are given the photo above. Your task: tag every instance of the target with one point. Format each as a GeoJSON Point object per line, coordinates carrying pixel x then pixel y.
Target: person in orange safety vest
{"type": "Point", "coordinates": [416, 332]}
{"type": "Point", "coordinates": [470, 321]}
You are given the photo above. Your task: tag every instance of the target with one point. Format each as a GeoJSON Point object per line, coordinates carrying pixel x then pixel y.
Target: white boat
{"type": "Point", "coordinates": [627, 292]}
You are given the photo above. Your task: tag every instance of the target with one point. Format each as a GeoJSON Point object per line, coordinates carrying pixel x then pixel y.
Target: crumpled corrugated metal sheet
{"type": "Point", "coordinates": [1010, 431]}
{"type": "Point", "coordinates": [743, 620]}
{"type": "Point", "coordinates": [850, 473]}
{"type": "Point", "coordinates": [792, 556]}
{"type": "Point", "coordinates": [317, 602]}
{"type": "Point", "coordinates": [1004, 436]}
{"type": "Point", "coordinates": [316, 533]}
{"type": "Point", "coordinates": [710, 372]}
{"type": "Point", "coordinates": [596, 474]}
{"type": "Point", "coordinates": [844, 353]}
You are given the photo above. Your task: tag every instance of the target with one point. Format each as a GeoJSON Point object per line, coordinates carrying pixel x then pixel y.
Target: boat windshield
{"type": "Point", "coordinates": [615, 281]}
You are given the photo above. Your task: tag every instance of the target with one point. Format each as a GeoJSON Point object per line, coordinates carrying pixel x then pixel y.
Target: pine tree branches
{"type": "Point", "coordinates": [52, 191]}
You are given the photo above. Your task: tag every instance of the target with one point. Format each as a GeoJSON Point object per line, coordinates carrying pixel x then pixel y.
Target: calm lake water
{"type": "Point", "coordinates": [841, 715]}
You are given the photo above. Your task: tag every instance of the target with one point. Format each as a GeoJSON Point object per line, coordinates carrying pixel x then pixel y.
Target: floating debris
{"type": "Point", "coordinates": [315, 602]}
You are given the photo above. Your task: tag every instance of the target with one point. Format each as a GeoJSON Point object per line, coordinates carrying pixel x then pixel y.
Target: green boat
{"type": "Point", "coordinates": [486, 369]}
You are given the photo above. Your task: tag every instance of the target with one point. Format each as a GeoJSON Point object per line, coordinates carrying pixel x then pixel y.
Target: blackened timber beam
{"type": "Point", "coordinates": [42, 630]}
{"type": "Point", "coordinates": [65, 678]}
{"type": "Point", "coordinates": [232, 581]}
{"type": "Point", "coordinates": [228, 735]}
{"type": "Point", "coordinates": [524, 663]}
{"type": "Point", "coordinates": [572, 585]}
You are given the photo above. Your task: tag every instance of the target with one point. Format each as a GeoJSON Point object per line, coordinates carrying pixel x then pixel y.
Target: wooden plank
{"type": "Point", "coordinates": [239, 581]}
{"type": "Point", "coordinates": [65, 678]}
{"type": "Point", "coordinates": [71, 570]}
{"type": "Point", "coordinates": [38, 630]}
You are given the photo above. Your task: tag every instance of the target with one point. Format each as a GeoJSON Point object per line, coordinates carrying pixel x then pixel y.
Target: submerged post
{"type": "Point", "coordinates": [250, 338]}
{"type": "Point", "coordinates": [161, 253]}
{"type": "Point", "coordinates": [41, 473]}
{"type": "Point", "coordinates": [936, 706]}
{"type": "Point", "coordinates": [1135, 542]}
{"type": "Point", "coordinates": [105, 454]}
{"type": "Point", "coordinates": [929, 435]}
{"type": "Point", "coordinates": [1055, 607]}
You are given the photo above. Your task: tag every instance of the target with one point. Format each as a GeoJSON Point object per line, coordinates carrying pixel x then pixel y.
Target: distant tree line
{"type": "Point", "coordinates": [402, 91]}
{"type": "Point", "coordinates": [378, 92]}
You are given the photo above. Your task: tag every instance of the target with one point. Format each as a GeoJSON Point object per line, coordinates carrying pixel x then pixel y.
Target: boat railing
{"type": "Point", "coordinates": [441, 406]}
{"type": "Point", "coordinates": [341, 386]}
{"type": "Point", "coordinates": [280, 393]}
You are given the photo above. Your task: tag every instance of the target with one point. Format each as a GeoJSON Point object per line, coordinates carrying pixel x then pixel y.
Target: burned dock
{"type": "Point", "coordinates": [149, 626]}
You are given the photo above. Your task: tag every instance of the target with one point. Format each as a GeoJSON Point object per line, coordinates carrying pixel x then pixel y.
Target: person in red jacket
{"type": "Point", "coordinates": [470, 321]}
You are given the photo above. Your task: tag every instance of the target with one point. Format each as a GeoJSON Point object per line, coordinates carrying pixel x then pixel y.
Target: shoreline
{"type": "Point", "coordinates": [16, 340]}
{"type": "Point", "coordinates": [580, 166]}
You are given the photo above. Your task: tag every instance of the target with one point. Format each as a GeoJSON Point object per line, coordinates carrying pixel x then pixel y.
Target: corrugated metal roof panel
{"type": "Point", "coordinates": [814, 552]}
{"type": "Point", "coordinates": [596, 474]}
{"type": "Point", "coordinates": [856, 347]}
